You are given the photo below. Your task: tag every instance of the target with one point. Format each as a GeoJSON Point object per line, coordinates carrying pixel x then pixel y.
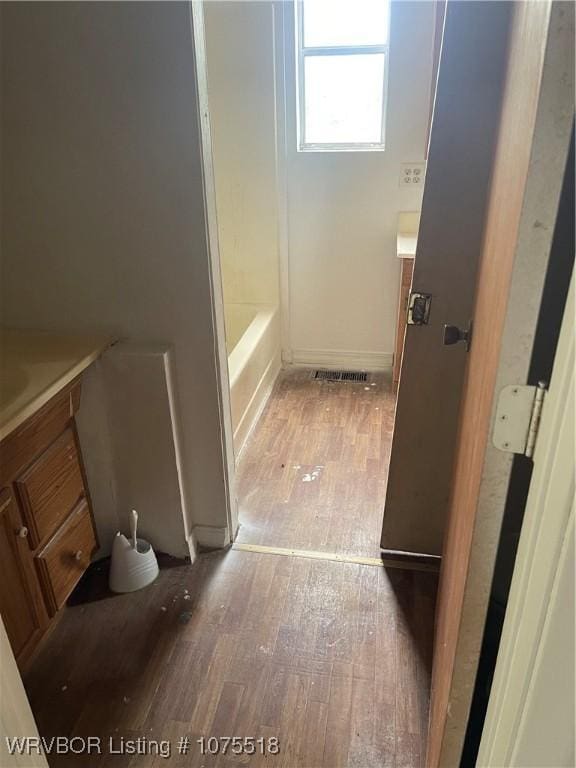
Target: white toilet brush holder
{"type": "Point", "coordinates": [133, 564]}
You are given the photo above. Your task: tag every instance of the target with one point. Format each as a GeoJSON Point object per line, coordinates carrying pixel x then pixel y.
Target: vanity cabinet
{"type": "Point", "coordinates": [47, 533]}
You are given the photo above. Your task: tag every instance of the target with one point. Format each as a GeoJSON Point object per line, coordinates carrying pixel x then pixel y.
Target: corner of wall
{"type": "Point", "coordinates": [211, 537]}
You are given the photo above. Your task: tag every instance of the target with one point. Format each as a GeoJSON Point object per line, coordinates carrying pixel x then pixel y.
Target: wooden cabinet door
{"type": "Point", "coordinates": [18, 602]}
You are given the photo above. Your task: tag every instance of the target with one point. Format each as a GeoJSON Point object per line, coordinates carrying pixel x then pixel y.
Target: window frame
{"type": "Point", "coordinates": [334, 50]}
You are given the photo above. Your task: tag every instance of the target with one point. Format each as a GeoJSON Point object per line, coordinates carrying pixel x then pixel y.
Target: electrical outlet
{"type": "Point", "coordinates": [412, 175]}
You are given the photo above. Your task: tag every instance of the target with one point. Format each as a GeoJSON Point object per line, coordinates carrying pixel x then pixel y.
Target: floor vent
{"type": "Point", "coordinates": [341, 375]}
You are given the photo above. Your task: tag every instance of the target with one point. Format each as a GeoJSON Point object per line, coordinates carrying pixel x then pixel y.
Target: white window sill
{"type": "Point", "coordinates": [335, 148]}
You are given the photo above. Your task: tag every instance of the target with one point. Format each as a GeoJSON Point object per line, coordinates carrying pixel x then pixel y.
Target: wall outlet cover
{"type": "Point", "coordinates": [412, 175]}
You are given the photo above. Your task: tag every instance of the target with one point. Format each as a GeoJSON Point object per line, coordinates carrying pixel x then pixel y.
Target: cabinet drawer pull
{"type": "Point", "coordinates": [23, 532]}
{"type": "Point", "coordinates": [78, 555]}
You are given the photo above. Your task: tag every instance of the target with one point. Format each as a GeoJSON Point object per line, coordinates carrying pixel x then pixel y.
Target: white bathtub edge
{"type": "Point", "coordinates": [244, 349]}
{"type": "Point", "coordinates": [256, 405]}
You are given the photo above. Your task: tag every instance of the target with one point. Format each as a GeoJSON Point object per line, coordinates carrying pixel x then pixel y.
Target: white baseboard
{"type": "Point", "coordinates": [340, 358]}
{"type": "Point", "coordinates": [211, 536]}
{"type": "Point", "coordinates": [256, 405]}
{"type": "Point", "coordinates": [192, 547]}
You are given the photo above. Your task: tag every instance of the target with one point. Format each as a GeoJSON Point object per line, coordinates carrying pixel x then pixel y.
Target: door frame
{"type": "Point", "coordinates": [216, 288]}
{"type": "Point", "coordinates": [281, 18]}
{"type": "Point", "coordinates": [544, 561]}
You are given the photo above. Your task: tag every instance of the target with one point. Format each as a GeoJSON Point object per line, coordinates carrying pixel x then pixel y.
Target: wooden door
{"type": "Point", "coordinates": [465, 119]}
{"type": "Point", "coordinates": [533, 139]}
{"type": "Point", "coordinates": [17, 601]}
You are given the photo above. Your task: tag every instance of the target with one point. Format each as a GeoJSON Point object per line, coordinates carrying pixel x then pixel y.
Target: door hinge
{"type": "Point", "coordinates": [518, 418]}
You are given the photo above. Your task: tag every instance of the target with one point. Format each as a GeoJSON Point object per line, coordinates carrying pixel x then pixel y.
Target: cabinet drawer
{"type": "Point", "coordinates": [28, 441]}
{"type": "Point", "coordinates": [51, 488]}
{"type": "Point", "coordinates": [64, 559]}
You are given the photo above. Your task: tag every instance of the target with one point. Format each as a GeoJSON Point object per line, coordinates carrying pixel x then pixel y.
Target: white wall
{"type": "Point", "coordinates": [342, 210]}
{"type": "Point", "coordinates": [241, 89]}
{"type": "Point", "coordinates": [103, 211]}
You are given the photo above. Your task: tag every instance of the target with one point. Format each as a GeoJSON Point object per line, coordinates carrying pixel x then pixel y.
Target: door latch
{"type": "Point", "coordinates": [419, 308]}
{"type": "Point", "coordinates": [452, 335]}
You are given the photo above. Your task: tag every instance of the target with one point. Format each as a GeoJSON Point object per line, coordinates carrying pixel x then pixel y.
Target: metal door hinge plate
{"type": "Point", "coordinates": [518, 418]}
{"type": "Point", "coordinates": [419, 308]}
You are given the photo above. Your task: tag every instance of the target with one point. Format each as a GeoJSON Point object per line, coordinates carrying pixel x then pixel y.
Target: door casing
{"type": "Point", "coordinates": [531, 714]}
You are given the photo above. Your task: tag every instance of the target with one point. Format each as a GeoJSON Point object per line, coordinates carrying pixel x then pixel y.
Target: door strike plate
{"type": "Point", "coordinates": [419, 308]}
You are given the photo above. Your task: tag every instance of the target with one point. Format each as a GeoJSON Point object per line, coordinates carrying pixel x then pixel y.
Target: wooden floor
{"type": "Point", "coordinates": [313, 474]}
{"type": "Point", "coordinates": [331, 658]}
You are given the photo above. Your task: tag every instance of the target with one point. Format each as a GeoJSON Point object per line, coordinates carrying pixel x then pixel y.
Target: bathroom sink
{"type": "Point", "coordinates": [36, 365]}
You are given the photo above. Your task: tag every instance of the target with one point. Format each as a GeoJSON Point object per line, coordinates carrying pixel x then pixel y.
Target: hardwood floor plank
{"type": "Point", "coordinates": [226, 714]}
{"type": "Point", "coordinates": [209, 695]}
{"type": "Point", "coordinates": [273, 704]}
{"type": "Point", "coordinates": [338, 728]}
{"type": "Point", "coordinates": [312, 750]}
{"type": "Point", "coordinates": [362, 750]}
{"type": "Point", "coordinates": [292, 727]}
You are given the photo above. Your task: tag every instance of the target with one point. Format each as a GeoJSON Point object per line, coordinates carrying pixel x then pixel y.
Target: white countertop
{"type": "Point", "coordinates": [407, 234]}
{"type": "Point", "coordinates": [36, 365]}
{"type": "Point", "coordinates": [406, 245]}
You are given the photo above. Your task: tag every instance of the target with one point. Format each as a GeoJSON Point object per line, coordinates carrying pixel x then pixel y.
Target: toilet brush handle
{"type": "Point", "coordinates": [133, 527]}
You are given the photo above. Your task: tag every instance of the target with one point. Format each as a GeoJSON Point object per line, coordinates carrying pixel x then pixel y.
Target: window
{"type": "Point", "coordinates": [342, 66]}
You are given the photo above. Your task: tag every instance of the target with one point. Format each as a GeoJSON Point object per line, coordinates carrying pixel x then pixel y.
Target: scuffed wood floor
{"type": "Point", "coordinates": [332, 658]}
{"type": "Point", "coordinates": [313, 473]}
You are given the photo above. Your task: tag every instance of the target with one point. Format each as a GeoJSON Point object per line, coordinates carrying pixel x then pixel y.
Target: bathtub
{"type": "Point", "coordinates": [253, 345]}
